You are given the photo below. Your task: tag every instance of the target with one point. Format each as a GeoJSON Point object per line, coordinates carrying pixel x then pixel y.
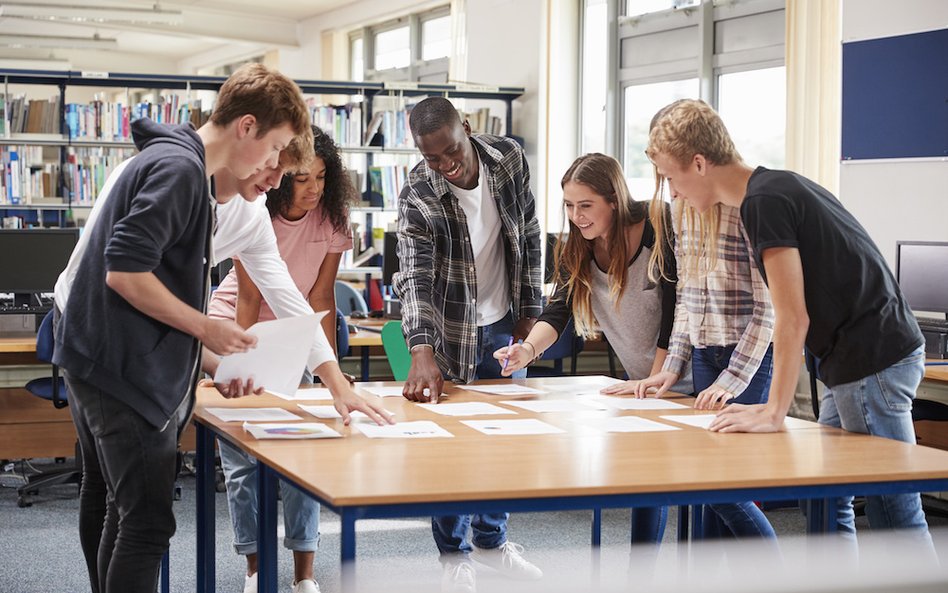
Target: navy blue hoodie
{"type": "Point", "coordinates": [157, 219]}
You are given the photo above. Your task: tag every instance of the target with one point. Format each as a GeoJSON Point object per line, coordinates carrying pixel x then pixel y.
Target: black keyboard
{"type": "Point", "coordinates": [8, 309]}
{"type": "Point", "coordinates": [933, 324]}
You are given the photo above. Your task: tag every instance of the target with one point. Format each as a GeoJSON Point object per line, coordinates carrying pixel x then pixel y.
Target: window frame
{"type": "Point", "coordinates": [418, 70]}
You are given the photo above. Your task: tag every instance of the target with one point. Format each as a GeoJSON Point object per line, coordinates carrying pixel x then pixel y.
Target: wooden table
{"type": "Point", "coordinates": [361, 478]}
{"type": "Point", "coordinates": [936, 372]}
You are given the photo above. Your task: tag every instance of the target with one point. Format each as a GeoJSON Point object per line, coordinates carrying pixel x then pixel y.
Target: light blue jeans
{"type": "Point", "coordinates": [300, 512]}
{"type": "Point", "coordinates": [489, 529]}
{"type": "Point", "coordinates": [880, 405]}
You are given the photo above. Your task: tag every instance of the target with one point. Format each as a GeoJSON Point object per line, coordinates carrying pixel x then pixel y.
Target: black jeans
{"type": "Point", "coordinates": [126, 518]}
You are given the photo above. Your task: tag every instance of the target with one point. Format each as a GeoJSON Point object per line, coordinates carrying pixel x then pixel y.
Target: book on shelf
{"type": "Point", "coordinates": [389, 129]}
{"type": "Point", "coordinates": [482, 122]}
{"type": "Point", "coordinates": [342, 122]}
{"type": "Point", "coordinates": [385, 183]}
{"type": "Point", "coordinates": [29, 173]}
{"type": "Point", "coordinates": [111, 121]}
{"type": "Point", "coordinates": [30, 116]}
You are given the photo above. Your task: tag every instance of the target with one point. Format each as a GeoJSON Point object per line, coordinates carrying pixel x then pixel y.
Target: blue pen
{"type": "Point", "coordinates": [509, 344]}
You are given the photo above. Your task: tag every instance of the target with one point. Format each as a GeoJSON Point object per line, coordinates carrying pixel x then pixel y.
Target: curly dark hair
{"type": "Point", "coordinates": [338, 192]}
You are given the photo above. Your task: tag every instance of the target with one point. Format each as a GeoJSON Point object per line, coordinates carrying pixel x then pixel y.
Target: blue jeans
{"type": "Point", "coordinates": [880, 405]}
{"type": "Point", "coordinates": [648, 524]}
{"type": "Point", "coordinates": [489, 530]}
{"type": "Point", "coordinates": [742, 519]}
{"type": "Point", "coordinates": [300, 512]}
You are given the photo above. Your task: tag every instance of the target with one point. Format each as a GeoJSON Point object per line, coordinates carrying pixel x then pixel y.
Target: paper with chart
{"type": "Point", "coordinates": [306, 395]}
{"type": "Point", "coordinates": [419, 429]}
{"type": "Point", "coordinates": [634, 403]}
{"type": "Point", "coordinates": [252, 414]}
{"type": "Point", "coordinates": [466, 409]}
{"type": "Point", "coordinates": [329, 412]}
{"type": "Point", "coordinates": [279, 359]}
{"type": "Point", "coordinates": [387, 391]}
{"type": "Point", "coordinates": [512, 427]}
{"type": "Point", "coordinates": [503, 389]}
{"type": "Point", "coordinates": [625, 424]}
{"type": "Point", "coordinates": [556, 405]}
{"type": "Point", "coordinates": [696, 420]}
{"type": "Point", "coordinates": [299, 430]}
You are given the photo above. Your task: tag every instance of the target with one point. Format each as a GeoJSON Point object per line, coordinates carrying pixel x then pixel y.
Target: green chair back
{"type": "Point", "coordinates": [396, 350]}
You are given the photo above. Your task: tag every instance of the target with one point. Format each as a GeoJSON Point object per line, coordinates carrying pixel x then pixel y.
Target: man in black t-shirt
{"type": "Point", "coordinates": [831, 290]}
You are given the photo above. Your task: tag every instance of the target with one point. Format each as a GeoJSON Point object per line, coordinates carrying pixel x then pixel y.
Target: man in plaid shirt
{"type": "Point", "coordinates": [469, 280]}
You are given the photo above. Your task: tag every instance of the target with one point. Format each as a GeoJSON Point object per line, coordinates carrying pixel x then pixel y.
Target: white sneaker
{"type": "Point", "coordinates": [457, 576]}
{"type": "Point", "coordinates": [306, 586]}
{"type": "Point", "coordinates": [250, 584]}
{"type": "Point", "coordinates": [508, 561]}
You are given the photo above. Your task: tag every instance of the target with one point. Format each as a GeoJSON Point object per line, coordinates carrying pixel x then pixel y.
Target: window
{"type": "Point", "coordinates": [730, 54]}
{"type": "Point", "coordinates": [594, 76]}
{"type": "Point", "coordinates": [436, 38]}
{"type": "Point", "coordinates": [393, 48]}
{"type": "Point", "coordinates": [357, 59]}
{"type": "Point", "coordinates": [753, 105]}
{"type": "Point", "coordinates": [638, 7]}
{"type": "Point", "coordinates": [641, 103]}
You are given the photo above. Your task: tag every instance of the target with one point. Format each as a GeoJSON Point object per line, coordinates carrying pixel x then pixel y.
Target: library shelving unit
{"type": "Point", "coordinates": [51, 197]}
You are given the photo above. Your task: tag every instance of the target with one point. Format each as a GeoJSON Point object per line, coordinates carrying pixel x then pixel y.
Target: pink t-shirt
{"type": "Point", "coordinates": [303, 245]}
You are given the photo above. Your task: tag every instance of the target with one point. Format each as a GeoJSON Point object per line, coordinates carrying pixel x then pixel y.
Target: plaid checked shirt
{"type": "Point", "coordinates": [436, 283]}
{"type": "Point", "coordinates": [728, 305]}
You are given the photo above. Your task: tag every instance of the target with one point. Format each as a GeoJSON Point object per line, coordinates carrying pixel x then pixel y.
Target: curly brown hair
{"type": "Point", "coordinates": [338, 193]}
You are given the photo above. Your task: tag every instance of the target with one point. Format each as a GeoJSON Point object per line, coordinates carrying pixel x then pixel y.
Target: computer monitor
{"type": "Point", "coordinates": [921, 268]}
{"type": "Point", "coordinates": [389, 257]}
{"type": "Point", "coordinates": [33, 260]}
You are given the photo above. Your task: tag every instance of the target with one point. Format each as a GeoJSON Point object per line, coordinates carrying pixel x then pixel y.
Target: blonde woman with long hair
{"type": "Point", "coordinates": [603, 283]}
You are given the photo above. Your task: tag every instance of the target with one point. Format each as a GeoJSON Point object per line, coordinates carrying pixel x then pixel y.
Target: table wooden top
{"type": "Point", "coordinates": [357, 470]}
{"type": "Point", "coordinates": [936, 373]}
{"type": "Point", "coordinates": [18, 344]}
{"type": "Point", "coordinates": [364, 337]}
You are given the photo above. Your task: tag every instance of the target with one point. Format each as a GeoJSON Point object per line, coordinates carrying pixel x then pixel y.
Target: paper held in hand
{"type": "Point", "coordinates": [278, 361]}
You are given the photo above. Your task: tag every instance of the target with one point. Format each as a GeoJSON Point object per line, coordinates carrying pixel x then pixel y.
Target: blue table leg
{"type": "Point", "coordinates": [597, 528]}
{"type": "Point", "coordinates": [365, 363]}
{"type": "Point", "coordinates": [820, 515]}
{"type": "Point", "coordinates": [206, 529]}
{"type": "Point", "coordinates": [683, 523]}
{"type": "Point", "coordinates": [165, 569]}
{"type": "Point", "coordinates": [347, 545]}
{"type": "Point", "coordinates": [267, 485]}
{"type": "Point", "coordinates": [697, 522]}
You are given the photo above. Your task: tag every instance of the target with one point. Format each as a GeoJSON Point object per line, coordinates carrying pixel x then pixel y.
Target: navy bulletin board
{"type": "Point", "coordinates": [895, 97]}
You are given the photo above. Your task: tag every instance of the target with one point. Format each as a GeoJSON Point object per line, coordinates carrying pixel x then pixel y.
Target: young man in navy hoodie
{"type": "Point", "coordinates": [130, 332]}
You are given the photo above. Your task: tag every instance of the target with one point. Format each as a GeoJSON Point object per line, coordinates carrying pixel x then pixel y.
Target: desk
{"type": "Point", "coordinates": [361, 478]}
{"type": "Point", "coordinates": [936, 373]}
{"type": "Point", "coordinates": [366, 339]}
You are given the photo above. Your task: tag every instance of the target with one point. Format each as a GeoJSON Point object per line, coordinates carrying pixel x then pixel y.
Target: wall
{"type": "Point", "coordinates": [898, 199]}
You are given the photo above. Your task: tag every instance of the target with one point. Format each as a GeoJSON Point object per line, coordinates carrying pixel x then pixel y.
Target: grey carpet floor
{"type": "Point", "coordinates": [39, 550]}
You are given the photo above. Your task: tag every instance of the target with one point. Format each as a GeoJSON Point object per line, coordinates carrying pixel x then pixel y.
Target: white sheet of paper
{"type": "Point", "coordinates": [503, 389]}
{"type": "Point", "coordinates": [466, 409]}
{"type": "Point", "coordinates": [278, 361]}
{"type": "Point", "coordinates": [252, 414]}
{"type": "Point", "coordinates": [589, 384]}
{"type": "Point", "coordinates": [626, 424]}
{"type": "Point", "coordinates": [510, 427]}
{"type": "Point", "coordinates": [556, 405]}
{"type": "Point", "coordinates": [697, 420]}
{"type": "Point", "coordinates": [419, 429]}
{"type": "Point", "coordinates": [299, 430]}
{"type": "Point", "coordinates": [306, 395]}
{"type": "Point", "coordinates": [328, 412]}
{"type": "Point", "coordinates": [387, 391]}
{"type": "Point", "coordinates": [632, 403]}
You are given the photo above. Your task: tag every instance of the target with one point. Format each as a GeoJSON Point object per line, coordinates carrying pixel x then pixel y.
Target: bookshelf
{"type": "Point", "coordinates": [72, 162]}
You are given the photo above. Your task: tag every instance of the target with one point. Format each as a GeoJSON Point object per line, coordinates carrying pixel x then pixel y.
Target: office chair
{"type": "Point", "coordinates": [567, 345]}
{"type": "Point", "coordinates": [396, 350]}
{"type": "Point", "coordinates": [342, 335]}
{"type": "Point", "coordinates": [52, 389]}
{"type": "Point", "coordinates": [348, 299]}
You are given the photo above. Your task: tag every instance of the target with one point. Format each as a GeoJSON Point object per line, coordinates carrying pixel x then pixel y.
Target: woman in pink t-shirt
{"type": "Point", "coordinates": [310, 215]}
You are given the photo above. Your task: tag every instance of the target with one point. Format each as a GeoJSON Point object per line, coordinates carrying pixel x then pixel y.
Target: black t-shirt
{"type": "Point", "coordinates": [859, 322]}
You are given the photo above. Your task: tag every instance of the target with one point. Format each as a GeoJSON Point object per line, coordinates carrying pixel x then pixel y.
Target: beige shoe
{"type": "Point", "coordinates": [457, 576]}
{"type": "Point", "coordinates": [508, 560]}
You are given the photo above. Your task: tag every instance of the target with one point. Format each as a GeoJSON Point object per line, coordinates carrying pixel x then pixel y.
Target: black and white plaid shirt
{"type": "Point", "coordinates": [436, 283]}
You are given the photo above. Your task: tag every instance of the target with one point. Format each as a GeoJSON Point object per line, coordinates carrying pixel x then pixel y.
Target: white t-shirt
{"type": "Point", "coordinates": [490, 265]}
{"type": "Point", "coordinates": [244, 229]}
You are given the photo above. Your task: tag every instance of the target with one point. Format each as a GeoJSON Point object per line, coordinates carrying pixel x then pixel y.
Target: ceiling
{"type": "Point", "coordinates": [206, 26]}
